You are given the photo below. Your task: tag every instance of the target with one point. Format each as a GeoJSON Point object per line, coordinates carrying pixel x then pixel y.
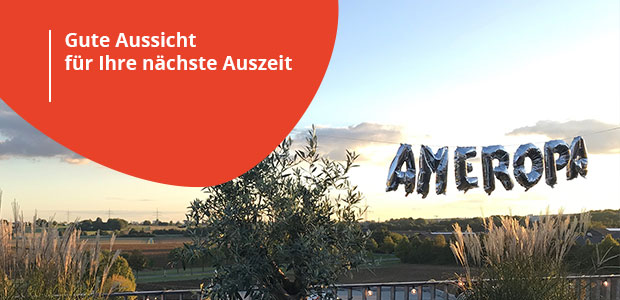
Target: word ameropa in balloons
{"type": "Point", "coordinates": [573, 157]}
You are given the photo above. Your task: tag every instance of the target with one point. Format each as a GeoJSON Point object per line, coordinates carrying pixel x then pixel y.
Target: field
{"type": "Point", "coordinates": [389, 272]}
{"type": "Point", "coordinates": [385, 268]}
{"type": "Point", "coordinates": [155, 248]}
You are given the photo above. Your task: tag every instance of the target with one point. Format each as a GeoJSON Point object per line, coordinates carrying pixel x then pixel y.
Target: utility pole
{"type": "Point", "coordinates": [157, 216]}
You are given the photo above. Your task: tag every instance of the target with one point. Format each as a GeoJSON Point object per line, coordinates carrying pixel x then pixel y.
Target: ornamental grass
{"type": "Point", "coordinates": [49, 262]}
{"type": "Point", "coordinates": [519, 259]}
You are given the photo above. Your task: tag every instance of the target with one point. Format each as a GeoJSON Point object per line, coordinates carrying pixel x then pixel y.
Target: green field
{"type": "Point", "coordinates": [385, 268]}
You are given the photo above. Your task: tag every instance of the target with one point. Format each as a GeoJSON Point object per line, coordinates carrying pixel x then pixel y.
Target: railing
{"type": "Point", "coordinates": [159, 295]}
{"type": "Point", "coordinates": [598, 287]}
{"type": "Point", "coordinates": [603, 287]}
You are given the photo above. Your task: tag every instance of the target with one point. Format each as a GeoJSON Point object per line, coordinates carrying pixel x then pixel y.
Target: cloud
{"type": "Point", "coordinates": [333, 141]}
{"type": "Point", "coordinates": [20, 139]}
{"type": "Point", "coordinates": [598, 143]}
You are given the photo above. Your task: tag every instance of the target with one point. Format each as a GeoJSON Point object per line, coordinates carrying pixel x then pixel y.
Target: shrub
{"type": "Point", "coordinates": [98, 224]}
{"type": "Point", "coordinates": [41, 263]}
{"type": "Point", "coordinates": [136, 260]}
{"type": "Point", "coordinates": [386, 240]}
{"type": "Point", "coordinates": [439, 241]}
{"type": "Point", "coordinates": [137, 233]}
{"type": "Point", "coordinates": [168, 231]}
{"type": "Point", "coordinates": [387, 246]}
{"type": "Point", "coordinates": [286, 229]}
{"type": "Point", "coordinates": [519, 261]}
{"type": "Point", "coordinates": [119, 283]}
{"type": "Point", "coordinates": [424, 251]}
{"type": "Point", "coordinates": [371, 245]}
{"type": "Point", "coordinates": [601, 258]}
{"type": "Point", "coordinates": [120, 266]}
{"type": "Point", "coordinates": [607, 257]}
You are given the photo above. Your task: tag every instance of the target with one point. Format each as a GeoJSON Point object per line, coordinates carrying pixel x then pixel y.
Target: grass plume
{"type": "Point", "coordinates": [519, 259]}
{"type": "Point", "coordinates": [48, 262]}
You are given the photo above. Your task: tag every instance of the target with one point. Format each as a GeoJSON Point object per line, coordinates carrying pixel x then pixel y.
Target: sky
{"type": "Point", "coordinates": [439, 73]}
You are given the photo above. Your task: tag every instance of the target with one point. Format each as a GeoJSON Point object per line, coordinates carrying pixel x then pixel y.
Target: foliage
{"type": "Point", "coordinates": [599, 258]}
{"type": "Point", "coordinates": [387, 245]}
{"type": "Point", "coordinates": [599, 219]}
{"type": "Point", "coordinates": [136, 260]}
{"type": "Point", "coordinates": [168, 231]}
{"type": "Point", "coordinates": [420, 224]}
{"type": "Point", "coordinates": [606, 218]}
{"type": "Point", "coordinates": [519, 260]}
{"type": "Point", "coordinates": [137, 233]}
{"type": "Point", "coordinates": [421, 250]}
{"type": "Point", "coordinates": [120, 283]}
{"type": "Point", "coordinates": [371, 245]}
{"type": "Point", "coordinates": [286, 229]}
{"type": "Point", "coordinates": [187, 257]}
{"type": "Point", "coordinates": [532, 279]}
{"type": "Point", "coordinates": [607, 255]}
{"type": "Point", "coordinates": [119, 267]}
{"type": "Point", "coordinates": [584, 258]}
{"type": "Point", "coordinates": [98, 224]}
{"type": "Point", "coordinates": [439, 241]}
{"type": "Point", "coordinates": [120, 276]}
{"type": "Point", "coordinates": [41, 263]}
{"type": "Point", "coordinates": [181, 257]}
{"type": "Point", "coordinates": [386, 241]}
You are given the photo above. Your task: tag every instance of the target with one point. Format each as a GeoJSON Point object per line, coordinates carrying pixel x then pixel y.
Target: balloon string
{"type": "Point", "coordinates": [398, 143]}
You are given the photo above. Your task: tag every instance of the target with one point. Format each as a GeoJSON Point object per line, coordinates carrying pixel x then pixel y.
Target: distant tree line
{"type": "Point", "coordinates": [98, 224]}
{"type": "Point", "coordinates": [420, 224]}
{"type": "Point", "coordinates": [137, 233]}
{"type": "Point", "coordinates": [161, 223]}
{"type": "Point", "coordinates": [423, 248]}
{"type": "Point", "coordinates": [608, 218]}
{"type": "Point", "coordinates": [117, 224]}
{"type": "Point", "coordinates": [413, 249]}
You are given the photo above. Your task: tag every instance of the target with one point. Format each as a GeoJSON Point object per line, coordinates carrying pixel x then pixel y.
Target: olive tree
{"type": "Point", "coordinates": [286, 229]}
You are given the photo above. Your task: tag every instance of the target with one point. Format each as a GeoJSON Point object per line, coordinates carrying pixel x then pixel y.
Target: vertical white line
{"type": "Point", "coordinates": [49, 84]}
